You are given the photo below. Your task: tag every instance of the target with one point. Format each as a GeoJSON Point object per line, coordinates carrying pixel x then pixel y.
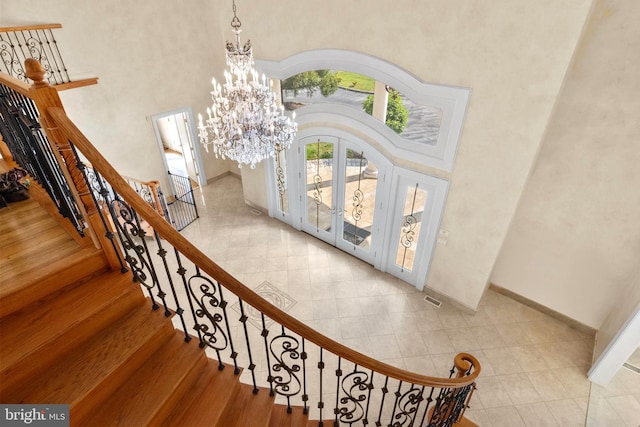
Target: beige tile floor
{"type": "Point", "coordinates": [533, 366]}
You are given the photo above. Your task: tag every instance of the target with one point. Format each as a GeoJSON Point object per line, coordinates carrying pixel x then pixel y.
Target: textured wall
{"type": "Point", "coordinates": [575, 240]}
{"type": "Point", "coordinates": [153, 56]}
{"type": "Point", "coordinates": [513, 54]}
{"type": "Point", "coordinates": [145, 54]}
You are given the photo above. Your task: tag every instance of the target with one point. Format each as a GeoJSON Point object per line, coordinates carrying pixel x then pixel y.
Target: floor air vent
{"type": "Point", "coordinates": [631, 367]}
{"type": "Point", "coordinates": [255, 212]}
{"type": "Point", "coordinates": [431, 300]}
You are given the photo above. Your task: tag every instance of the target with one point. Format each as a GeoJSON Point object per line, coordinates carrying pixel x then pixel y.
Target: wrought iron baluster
{"type": "Point", "coordinates": [10, 58]}
{"type": "Point", "coordinates": [208, 304]}
{"type": "Point", "coordinates": [162, 253]}
{"type": "Point", "coordinates": [285, 350]}
{"type": "Point", "coordinates": [406, 406]}
{"type": "Point", "coordinates": [182, 272]}
{"type": "Point", "coordinates": [252, 366]}
{"type": "Point", "coordinates": [426, 408]}
{"type": "Point", "coordinates": [336, 409]}
{"type": "Point", "coordinates": [265, 334]}
{"type": "Point", "coordinates": [31, 150]}
{"type": "Point", "coordinates": [137, 256]}
{"type": "Point", "coordinates": [366, 411]}
{"type": "Point", "coordinates": [356, 388]}
{"type": "Point", "coordinates": [223, 306]}
{"type": "Point", "coordinates": [58, 76]}
{"type": "Point", "coordinates": [320, 402]}
{"type": "Point", "coordinates": [91, 185]}
{"type": "Point", "coordinates": [384, 390]}
{"type": "Point", "coordinates": [305, 396]}
{"type": "Point", "coordinates": [21, 46]}
{"type": "Point", "coordinates": [395, 404]}
{"type": "Point", "coordinates": [57, 54]}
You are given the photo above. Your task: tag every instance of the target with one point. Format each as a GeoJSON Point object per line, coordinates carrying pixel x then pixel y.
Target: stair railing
{"type": "Point", "coordinates": [37, 42]}
{"type": "Point", "coordinates": [28, 146]}
{"type": "Point", "coordinates": [239, 329]}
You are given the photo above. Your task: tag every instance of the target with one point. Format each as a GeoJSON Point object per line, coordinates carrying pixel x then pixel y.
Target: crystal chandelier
{"type": "Point", "coordinates": [244, 123]}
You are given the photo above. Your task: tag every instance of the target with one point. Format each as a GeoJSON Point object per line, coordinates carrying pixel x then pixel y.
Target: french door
{"type": "Point", "coordinates": [343, 188]}
{"type": "Point", "coordinates": [348, 194]}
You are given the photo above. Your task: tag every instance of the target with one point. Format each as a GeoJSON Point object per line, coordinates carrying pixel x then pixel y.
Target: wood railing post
{"type": "Point", "coordinates": [4, 150]}
{"type": "Point", "coordinates": [46, 96]}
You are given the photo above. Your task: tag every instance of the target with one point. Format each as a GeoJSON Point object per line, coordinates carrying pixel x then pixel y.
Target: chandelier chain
{"type": "Point", "coordinates": [235, 22]}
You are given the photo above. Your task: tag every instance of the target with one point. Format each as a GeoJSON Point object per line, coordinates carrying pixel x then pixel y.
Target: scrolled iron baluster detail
{"type": "Point", "coordinates": [449, 405]}
{"type": "Point", "coordinates": [96, 184]}
{"type": "Point", "coordinates": [285, 350]}
{"type": "Point", "coordinates": [130, 231]}
{"type": "Point", "coordinates": [146, 194]}
{"type": "Point", "coordinates": [207, 300]}
{"type": "Point", "coordinates": [356, 386]}
{"type": "Point", "coordinates": [407, 232]}
{"type": "Point", "coordinates": [408, 407]}
{"type": "Point", "coordinates": [11, 60]}
{"type": "Point", "coordinates": [34, 46]}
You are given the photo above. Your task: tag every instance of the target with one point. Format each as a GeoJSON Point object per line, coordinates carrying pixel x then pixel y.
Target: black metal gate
{"type": "Point", "coordinates": [182, 207]}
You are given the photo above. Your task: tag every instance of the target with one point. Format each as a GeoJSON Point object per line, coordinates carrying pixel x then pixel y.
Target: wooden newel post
{"type": "Point", "coordinates": [45, 96]}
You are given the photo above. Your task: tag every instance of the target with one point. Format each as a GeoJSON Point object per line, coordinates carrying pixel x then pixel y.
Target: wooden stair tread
{"type": "Point", "coordinates": [36, 283]}
{"type": "Point", "coordinates": [35, 333]}
{"type": "Point", "coordinates": [465, 422]}
{"type": "Point", "coordinates": [248, 409]}
{"type": "Point", "coordinates": [87, 371]}
{"type": "Point", "coordinates": [281, 418]}
{"type": "Point", "coordinates": [148, 395]}
{"type": "Point", "coordinates": [31, 239]}
{"type": "Point", "coordinates": [204, 403]}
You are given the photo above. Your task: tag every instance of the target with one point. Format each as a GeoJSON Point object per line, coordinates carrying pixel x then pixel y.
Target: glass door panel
{"type": "Point", "coordinates": [414, 204]}
{"type": "Point", "coordinates": [319, 195]}
{"type": "Point", "coordinates": [356, 214]}
{"type": "Point", "coordinates": [419, 202]}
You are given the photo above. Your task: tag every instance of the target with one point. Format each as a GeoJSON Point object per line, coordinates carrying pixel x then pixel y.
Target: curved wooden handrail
{"type": "Point", "coordinates": [16, 84]}
{"type": "Point", "coordinates": [167, 232]}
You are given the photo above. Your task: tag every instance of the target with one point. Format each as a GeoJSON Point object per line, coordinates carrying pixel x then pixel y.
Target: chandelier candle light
{"type": "Point", "coordinates": [244, 123]}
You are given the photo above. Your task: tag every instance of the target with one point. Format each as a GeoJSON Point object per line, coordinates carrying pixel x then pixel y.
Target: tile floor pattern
{"type": "Point", "coordinates": [533, 366]}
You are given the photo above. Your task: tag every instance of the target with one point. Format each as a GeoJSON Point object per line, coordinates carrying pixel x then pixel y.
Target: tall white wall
{"type": "Point", "coordinates": [574, 243]}
{"type": "Point", "coordinates": [153, 56]}
{"type": "Point", "coordinates": [145, 54]}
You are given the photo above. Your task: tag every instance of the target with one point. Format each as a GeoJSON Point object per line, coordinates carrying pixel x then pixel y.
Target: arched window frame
{"type": "Point", "coordinates": [452, 100]}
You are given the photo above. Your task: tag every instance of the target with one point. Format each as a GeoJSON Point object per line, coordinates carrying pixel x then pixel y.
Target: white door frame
{"type": "Point", "coordinates": [202, 179]}
{"type": "Point", "coordinates": [437, 190]}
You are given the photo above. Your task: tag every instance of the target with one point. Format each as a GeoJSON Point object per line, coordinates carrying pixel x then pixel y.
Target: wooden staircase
{"type": "Point", "coordinates": [73, 331]}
